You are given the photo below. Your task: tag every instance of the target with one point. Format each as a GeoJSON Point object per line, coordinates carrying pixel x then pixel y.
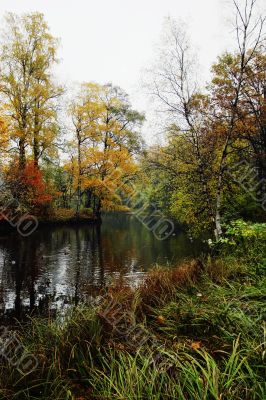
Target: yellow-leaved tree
{"type": "Point", "coordinates": [27, 88]}
{"type": "Point", "coordinates": [4, 140]}
{"type": "Point", "coordinates": [106, 138]}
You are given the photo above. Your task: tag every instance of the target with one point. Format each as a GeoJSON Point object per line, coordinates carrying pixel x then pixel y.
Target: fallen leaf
{"type": "Point", "coordinates": [196, 345]}
{"type": "Point", "coordinates": [161, 319]}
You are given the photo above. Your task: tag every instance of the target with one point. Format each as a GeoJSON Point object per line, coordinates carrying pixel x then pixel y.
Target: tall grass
{"type": "Point", "coordinates": [188, 376]}
{"type": "Point", "coordinates": [205, 328]}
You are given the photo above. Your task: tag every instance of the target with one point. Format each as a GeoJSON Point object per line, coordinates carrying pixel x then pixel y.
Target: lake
{"type": "Point", "coordinates": [61, 265]}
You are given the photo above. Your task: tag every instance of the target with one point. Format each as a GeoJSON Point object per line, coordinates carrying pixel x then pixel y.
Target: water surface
{"type": "Point", "coordinates": [58, 266]}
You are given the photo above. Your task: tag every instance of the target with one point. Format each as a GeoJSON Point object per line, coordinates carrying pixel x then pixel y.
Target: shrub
{"type": "Point", "coordinates": [63, 214]}
{"type": "Point", "coordinates": [244, 241]}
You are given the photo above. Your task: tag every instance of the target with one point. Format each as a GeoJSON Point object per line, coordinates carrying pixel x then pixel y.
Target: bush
{"type": "Point", "coordinates": [246, 242]}
{"type": "Point", "coordinates": [63, 214]}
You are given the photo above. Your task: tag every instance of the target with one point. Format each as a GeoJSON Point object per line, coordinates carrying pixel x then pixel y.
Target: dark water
{"type": "Point", "coordinates": [58, 266]}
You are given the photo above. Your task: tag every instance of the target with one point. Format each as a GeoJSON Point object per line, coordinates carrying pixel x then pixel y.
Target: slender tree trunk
{"type": "Point", "coordinates": [36, 151]}
{"type": "Point", "coordinates": [94, 205]}
{"type": "Point", "coordinates": [88, 201]}
{"type": "Point", "coordinates": [218, 226]}
{"type": "Point", "coordinates": [36, 141]}
{"type": "Point", "coordinates": [22, 153]}
{"type": "Point", "coordinates": [79, 177]}
{"type": "Point", "coordinates": [98, 210]}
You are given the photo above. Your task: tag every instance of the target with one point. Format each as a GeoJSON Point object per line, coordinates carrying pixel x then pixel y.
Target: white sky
{"type": "Point", "coordinates": [113, 40]}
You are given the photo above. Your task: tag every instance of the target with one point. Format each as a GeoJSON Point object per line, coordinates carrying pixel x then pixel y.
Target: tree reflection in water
{"type": "Point", "coordinates": [59, 266]}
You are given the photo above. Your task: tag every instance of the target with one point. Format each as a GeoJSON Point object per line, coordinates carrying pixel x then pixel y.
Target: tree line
{"type": "Point", "coordinates": [211, 167]}
{"type": "Point", "coordinates": [102, 134]}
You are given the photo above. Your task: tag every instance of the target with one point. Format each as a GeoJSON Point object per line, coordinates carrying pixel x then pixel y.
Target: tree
{"type": "Point", "coordinates": [106, 137]}
{"type": "Point", "coordinates": [174, 85]}
{"type": "Point", "coordinates": [85, 111]}
{"type": "Point", "coordinates": [209, 131]}
{"type": "Point", "coordinates": [249, 36]}
{"type": "Point", "coordinates": [27, 88]}
{"type": "Point", "coordinates": [251, 110]}
{"type": "Point", "coordinates": [255, 111]}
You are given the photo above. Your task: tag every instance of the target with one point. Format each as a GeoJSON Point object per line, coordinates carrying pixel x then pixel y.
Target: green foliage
{"type": "Point", "coordinates": [245, 241]}
{"type": "Point", "coordinates": [244, 231]}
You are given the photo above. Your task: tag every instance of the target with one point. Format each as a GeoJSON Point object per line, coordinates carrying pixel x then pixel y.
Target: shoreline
{"type": "Point", "coordinates": [5, 225]}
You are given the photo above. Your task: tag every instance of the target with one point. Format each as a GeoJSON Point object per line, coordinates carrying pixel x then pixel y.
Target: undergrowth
{"type": "Point", "coordinates": [193, 332]}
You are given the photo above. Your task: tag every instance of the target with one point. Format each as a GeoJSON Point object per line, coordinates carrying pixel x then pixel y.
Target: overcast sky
{"type": "Point", "coordinates": [113, 41]}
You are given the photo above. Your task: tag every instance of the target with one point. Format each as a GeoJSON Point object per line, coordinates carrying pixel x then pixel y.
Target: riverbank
{"type": "Point", "coordinates": [193, 332]}
{"type": "Point", "coordinates": [58, 217]}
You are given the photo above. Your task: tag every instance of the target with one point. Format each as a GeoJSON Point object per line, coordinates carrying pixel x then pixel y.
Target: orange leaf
{"type": "Point", "coordinates": [196, 345]}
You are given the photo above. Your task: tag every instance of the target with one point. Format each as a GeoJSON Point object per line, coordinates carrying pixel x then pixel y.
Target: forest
{"type": "Point", "coordinates": [44, 168]}
{"type": "Point", "coordinates": [69, 155]}
{"type": "Point", "coordinates": [65, 155]}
